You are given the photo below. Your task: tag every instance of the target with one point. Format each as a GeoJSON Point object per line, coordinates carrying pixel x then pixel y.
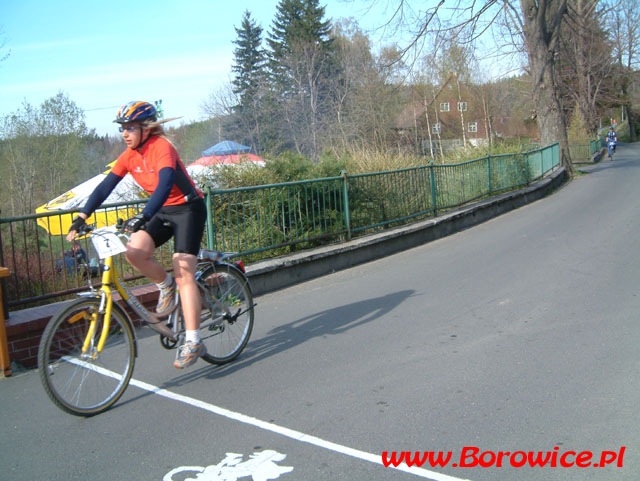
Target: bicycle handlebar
{"type": "Point", "coordinates": [85, 229]}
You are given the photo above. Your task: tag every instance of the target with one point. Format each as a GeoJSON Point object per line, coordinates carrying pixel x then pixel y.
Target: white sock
{"type": "Point", "coordinates": [166, 283]}
{"type": "Point", "coordinates": [193, 336]}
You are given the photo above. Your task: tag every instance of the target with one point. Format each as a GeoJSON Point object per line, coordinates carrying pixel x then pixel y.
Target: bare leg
{"type": "Point", "coordinates": [140, 255]}
{"type": "Point", "coordinates": [184, 268]}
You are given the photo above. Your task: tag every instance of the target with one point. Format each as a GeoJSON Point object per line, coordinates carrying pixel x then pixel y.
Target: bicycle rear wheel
{"type": "Point", "coordinates": [227, 311]}
{"type": "Point", "coordinates": [85, 384]}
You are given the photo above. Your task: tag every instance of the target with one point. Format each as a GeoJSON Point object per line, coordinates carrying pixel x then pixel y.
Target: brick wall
{"type": "Point", "coordinates": [24, 328]}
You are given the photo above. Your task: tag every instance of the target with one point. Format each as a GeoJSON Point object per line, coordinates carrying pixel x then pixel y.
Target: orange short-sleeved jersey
{"type": "Point", "coordinates": [144, 166]}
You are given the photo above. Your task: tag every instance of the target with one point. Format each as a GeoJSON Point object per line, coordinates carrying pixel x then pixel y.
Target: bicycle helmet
{"type": "Point", "coordinates": [136, 111]}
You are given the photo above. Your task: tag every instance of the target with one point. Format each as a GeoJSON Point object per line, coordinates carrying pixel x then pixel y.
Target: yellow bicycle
{"type": "Point", "coordinates": [87, 351]}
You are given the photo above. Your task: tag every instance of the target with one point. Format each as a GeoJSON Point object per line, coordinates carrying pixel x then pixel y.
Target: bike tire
{"type": "Point", "coordinates": [86, 384]}
{"type": "Point", "coordinates": [225, 292]}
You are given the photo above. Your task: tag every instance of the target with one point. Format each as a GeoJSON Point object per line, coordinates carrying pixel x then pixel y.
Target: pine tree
{"type": "Point", "coordinates": [299, 64]}
{"type": "Point", "coordinates": [249, 60]}
{"type": "Point", "coordinates": [249, 69]}
{"type": "Point", "coordinates": [297, 23]}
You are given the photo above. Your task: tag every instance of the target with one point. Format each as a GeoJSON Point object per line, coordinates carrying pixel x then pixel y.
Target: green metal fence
{"type": "Point", "coordinates": [255, 219]}
{"type": "Point", "coordinates": [279, 218]}
{"type": "Point", "coordinates": [579, 152]}
{"type": "Point", "coordinates": [584, 152]}
{"type": "Point", "coordinates": [41, 267]}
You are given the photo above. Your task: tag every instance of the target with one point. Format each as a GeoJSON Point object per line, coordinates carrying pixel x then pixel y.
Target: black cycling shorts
{"type": "Point", "coordinates": [185, 223]}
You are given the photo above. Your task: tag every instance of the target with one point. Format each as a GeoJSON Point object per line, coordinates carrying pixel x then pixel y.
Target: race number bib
{"type": "Point", "coordinates": [107, 243]}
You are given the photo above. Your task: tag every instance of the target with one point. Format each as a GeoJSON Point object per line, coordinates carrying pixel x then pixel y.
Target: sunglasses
{"type": "Point", "coordinates": [131, 128]}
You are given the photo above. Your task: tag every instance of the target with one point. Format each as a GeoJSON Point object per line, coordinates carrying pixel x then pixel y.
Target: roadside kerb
{"type": "Point", "coordinates": [595, 158]}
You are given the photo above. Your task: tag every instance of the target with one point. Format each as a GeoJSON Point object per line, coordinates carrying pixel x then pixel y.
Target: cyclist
{"type": "Point", "coordinates": [611, 138]}
{"type": "Point", "coordinates": [175, 209]}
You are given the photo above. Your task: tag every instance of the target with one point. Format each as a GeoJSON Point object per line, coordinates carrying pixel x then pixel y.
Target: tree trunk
{"type": "Point", "coordinates": [426, 114]}
{"type": "Point", "coordinates": [435, 108]}
{"type": "Point", "coordinates": [632, 118]}
{"type": "Point", "coordinates": [542, 20]}
{"type": "Point", "coordinates": [461, 110]}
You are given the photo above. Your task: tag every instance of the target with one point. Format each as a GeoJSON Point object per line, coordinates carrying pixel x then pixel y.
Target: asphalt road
{"type": "Point", "coordinates": [518, 335]}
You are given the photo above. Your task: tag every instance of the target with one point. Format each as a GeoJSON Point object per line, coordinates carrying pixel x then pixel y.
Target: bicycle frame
{"type": "Point", "coordinates": [110, 281]}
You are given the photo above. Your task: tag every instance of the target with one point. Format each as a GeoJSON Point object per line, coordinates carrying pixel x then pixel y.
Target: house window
{"type": "Point", "coordinates": [462, 106]}
{"type": "Point", "coordinates": [444, 107]}
{"type": "Point", "coordinates": [435, 128]}
{"type": "Point", "coordinates": [472, 126]}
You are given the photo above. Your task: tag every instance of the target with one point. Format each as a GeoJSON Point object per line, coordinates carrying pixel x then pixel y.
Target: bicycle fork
{"type": "Point", "coordinates": [89, 349]}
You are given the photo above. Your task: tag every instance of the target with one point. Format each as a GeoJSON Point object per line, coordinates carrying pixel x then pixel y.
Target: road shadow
{"type": "Point", "coordinates": [329, 322]}
{"type": "Point", "coordinates": [626, 163]}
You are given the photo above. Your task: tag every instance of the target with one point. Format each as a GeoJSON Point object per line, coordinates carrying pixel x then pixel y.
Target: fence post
{"type": "Point", "coordinates": [434, 196]}
{"type": "Point", "coordinates": [526, 161]}
{"type": "Point", "coordinates": [5, 362]}
{"type": "Point", "coordinates": [207, 197]}
{"type": "Point", "coordinates": [489, 171]}
{"type": "Point", "coordinates": [345, 202]}
{"type": "Point", "coordinates": [3, 294]}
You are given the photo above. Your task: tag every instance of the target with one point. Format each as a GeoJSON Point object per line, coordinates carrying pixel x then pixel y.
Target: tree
{"type": "Point", "coordinates": [541, 22]}
{"type": "Point", "coordinates": [537, 22]}
{"type": "Point", "coordinates": [41, 150]}
{"type": "Point", "coordinates": [363, 100]}
{"type": "Point", "coordinates": [300, 64]}
{"type": "Point", "coordinates": [249, 69]}
{"type": "Point", "coordinates": [220, 106]}
{"type": "Point", "coordinates": [624, 24]}
{"type": "Point", "coordinates": [455, 62]}
{"type": "Point", "coordinates": [584, 63]}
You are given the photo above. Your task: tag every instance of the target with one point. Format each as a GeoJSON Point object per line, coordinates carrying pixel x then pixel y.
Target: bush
{"type": "Point", "coordinates": [290, 166]}
{"type": "Point", "coordinates": [577, 131]}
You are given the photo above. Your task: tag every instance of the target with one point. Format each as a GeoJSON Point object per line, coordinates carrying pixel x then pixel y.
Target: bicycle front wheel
{"type": "Point", "coordinates": [227, 312]}
{"type": "Point", "coordinates": [90, 382]}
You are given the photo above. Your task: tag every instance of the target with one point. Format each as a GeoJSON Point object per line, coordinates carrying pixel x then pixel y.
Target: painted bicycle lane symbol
{"type": "Point", "coordinates": [261, 466]}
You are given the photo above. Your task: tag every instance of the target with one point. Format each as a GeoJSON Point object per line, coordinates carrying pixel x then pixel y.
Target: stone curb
{"type": "Point", "coordinates": [595, 158]}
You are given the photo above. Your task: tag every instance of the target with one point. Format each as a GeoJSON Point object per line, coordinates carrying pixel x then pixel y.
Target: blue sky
{"type": "Point", "coordinates": [104, 54]}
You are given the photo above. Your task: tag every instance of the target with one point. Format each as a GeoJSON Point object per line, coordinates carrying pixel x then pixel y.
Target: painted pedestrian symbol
{"type": "Point", "coordinates": [261, 466]}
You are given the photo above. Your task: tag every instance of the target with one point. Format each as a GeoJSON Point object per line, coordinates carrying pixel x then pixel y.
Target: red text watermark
{"type": "Point", "coordinates": [473, 457]}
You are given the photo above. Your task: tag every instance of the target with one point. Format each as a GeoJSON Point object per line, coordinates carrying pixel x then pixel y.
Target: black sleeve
{"type": "Point", "coordinates": [161, 194]}
{"type": "Point", "coordinates": [100, 193]}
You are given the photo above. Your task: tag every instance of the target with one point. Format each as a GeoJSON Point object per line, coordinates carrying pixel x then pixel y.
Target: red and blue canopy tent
{"type": "Point", "coordinates": [226, 153]}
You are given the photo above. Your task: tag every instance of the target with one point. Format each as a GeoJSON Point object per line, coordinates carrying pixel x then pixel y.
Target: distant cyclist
{"type": "Point", "coordinates": [612, 140]}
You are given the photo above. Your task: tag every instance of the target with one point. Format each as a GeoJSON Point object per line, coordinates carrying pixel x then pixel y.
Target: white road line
{"type": "Point", "coordinates": [290, 433]}
{"type": "Point", "coordinates": [274, 428]}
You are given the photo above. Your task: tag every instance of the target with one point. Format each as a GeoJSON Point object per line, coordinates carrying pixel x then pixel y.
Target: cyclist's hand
{"type": "Point", "coordinates": [75, 226]}
{"type": "Point", "coordinates": [135, 223]}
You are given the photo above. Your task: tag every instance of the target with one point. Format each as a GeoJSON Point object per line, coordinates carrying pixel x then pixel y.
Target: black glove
{"type": "Point", "coordinates": [135, 223]}
{"type": "Point", "coordinates": [77, 223]}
